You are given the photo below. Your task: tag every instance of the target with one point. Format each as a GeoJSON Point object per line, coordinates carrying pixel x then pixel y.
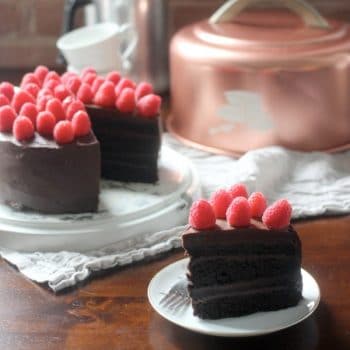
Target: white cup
{"type": "Point", "coordinates": [98, 46]}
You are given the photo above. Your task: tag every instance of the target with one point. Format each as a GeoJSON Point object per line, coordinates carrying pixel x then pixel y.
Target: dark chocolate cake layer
{"type": "Point", "coordinates": [236, 271]}
{"type": "Point", "coordinates": [129, 144]}
{"type": "Point", "coordinates": [43, 176]}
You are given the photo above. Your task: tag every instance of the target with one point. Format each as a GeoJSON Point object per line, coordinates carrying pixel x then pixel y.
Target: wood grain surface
{"type": "Point", "coordinates": [112, 311]}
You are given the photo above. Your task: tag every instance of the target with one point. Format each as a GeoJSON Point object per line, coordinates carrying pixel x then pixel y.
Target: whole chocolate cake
{"type": "Point", "coordinates": [241, 265]}
{"type": "Point", "coordinates": [51, 160]}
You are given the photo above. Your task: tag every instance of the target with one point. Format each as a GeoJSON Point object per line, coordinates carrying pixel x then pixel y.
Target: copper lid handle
{"type": "Point", "coordinates": [232, 8]}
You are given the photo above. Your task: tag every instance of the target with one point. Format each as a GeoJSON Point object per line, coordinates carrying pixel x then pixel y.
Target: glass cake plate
{"type": "Point", "coordinates": [125, 210]}
{"type": "Point", "coordinates": [245, 326]}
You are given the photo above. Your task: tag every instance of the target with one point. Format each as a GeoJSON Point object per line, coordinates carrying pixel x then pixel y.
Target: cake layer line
{"type": "Point", "coordinates": [248, 288]}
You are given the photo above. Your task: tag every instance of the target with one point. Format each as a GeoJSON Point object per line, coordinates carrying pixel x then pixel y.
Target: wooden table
{"type": "Point", "coordinates": [112, 311]}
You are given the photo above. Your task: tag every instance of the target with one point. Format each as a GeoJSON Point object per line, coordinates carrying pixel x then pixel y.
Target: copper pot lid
{"type": "Point", "coordinates": [266, 37]}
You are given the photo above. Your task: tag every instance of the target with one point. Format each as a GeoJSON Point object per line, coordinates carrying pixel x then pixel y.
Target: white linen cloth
{"type": "Point", "coordinates": [314, 183]}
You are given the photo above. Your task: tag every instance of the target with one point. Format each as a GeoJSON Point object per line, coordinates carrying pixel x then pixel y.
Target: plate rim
{"type": "Point", "coordinates": [227, 334]}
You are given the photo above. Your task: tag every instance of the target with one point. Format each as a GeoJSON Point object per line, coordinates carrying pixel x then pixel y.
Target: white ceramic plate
{"type": "Point", "coordinates": [125, 210]}
{"type": "Point", "coordinates": [245, 326]}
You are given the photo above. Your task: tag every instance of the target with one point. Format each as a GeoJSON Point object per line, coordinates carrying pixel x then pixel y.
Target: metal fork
{"type": "Point", "coordinates": [177, 296]}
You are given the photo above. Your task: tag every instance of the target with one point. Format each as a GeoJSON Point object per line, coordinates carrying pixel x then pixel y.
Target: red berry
{"type": "Point", "coordinates": [126, 101]}
{"type": "Point", "coordinates": [114, 77]}
{"type": "Point", "coordinates": [85, 94]}
{"type": "Point", "coordinates": [202, 215]}
{"type": "Point", "coordinates": [143, 89]}
{"type": "Point", "coordinates": [149, 106]}
{"type": "Point", "coordinates": [277, 216]}
{"type": "Point", "coordinates": [238, 213]}
{"type": "Point", "coordinates": [73, 84]}
{"type": "Point", "coordinates": [66, 102]}
{"type": "Point", "coordinates": [54, 106]}
{"type": "Point", "coordinates": [238, 190]}
{"type": "Point", "coordinates": [20, 98]}
{"type": "Point", "coordinates": [4, 101]}
{"type": "Point", "coordinates": [124, 83]}
{"type": "Point", "coordinates": [51, 84]}
{"type": "Point", "coordinates": [40, 72]}
{"type": "Point", "coordinates": [89, 78]}
{"type": "Point", "coordinates": [105, 95]}
{"type": "Point", "coordinates": [45, 123]}
{"type": "Point", "coordinates": [45, 92]}
{"type": "Point", "coordinates": [30, 111]}
{"type": "Point", "coordinates": [81, 124]}
{"type": "Point", "coordinates": [68, 75]}
{"type": "Point", "coordinates": [42, 102]}
{"type": "Point", "coordinates": [63, 132]}
{"type": "Point", "coordinates": [257, 204]}
{"type": "Point", "coordinates": [96, 85]}
{"type": "Point", "coordinates": [7, 89]}
{"type": "Point", "coordinates": [220, 201]}
{"type": "Point", "coordinates": [74, 107]}
{"type": "Point", "coordinates": [31, 88]}
{"type": "Point", "coordinates": [86, 71]}
{"type": "Point", "coordinates": [23, 128]}
{"type": "Point", "coordinates": [7, 117]}
{"type": "Point", "coordinates": [52, 75]}
{"type": "Point", "coordinates": [28, 79]}
{"type": "Point", "coordinates": [61, 92]}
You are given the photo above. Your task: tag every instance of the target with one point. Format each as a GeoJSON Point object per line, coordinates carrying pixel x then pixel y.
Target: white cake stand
{"type": "Point", "coordinates": [126, 210]}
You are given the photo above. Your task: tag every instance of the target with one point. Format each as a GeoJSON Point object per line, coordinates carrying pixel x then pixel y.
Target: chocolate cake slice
{"type": "Point", "coordinates": [237, 271]}
{"type": "Point", "coordinates": [44, 176]}
{"type": "Point", "coordinates": [129, 144]}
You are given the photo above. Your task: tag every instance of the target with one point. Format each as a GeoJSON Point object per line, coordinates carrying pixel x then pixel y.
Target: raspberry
{"type": "Point", "coordinates": [20, 98]}
{"type": "Point", "coordinates": [124, 83]}
{"type": "Point", "coordinates": [7, 118]}
{"type": "Point", "coordinates": [45, 123]}
{"type": "Point", "coordinates": [81, 123]}
{"type": "Point", "coordinates": [96, 84]}
{"type": "Point", "coordinates": [149, 106]}
{"type": "Point", "coordinates": [114, 77]}
{"type": "Point", "coordinates": [4, 101]}
{"type": "Point", "coordinates": [52, 75]}
{"type": "Point", "coordinates": [86, 71]}
{"type": "Point", "coordinates": [89, 78]}
{"type": "Point", "coordinates": [63, 132]}
{"type": "Point", "coordinates": [30, 111]}
{"type": "Point", "coordinates": [105, 95]}
{"type": "Point", "coordinates": [85, 94]}
{"type": "Point", "coordinates": [220, 201]}
{"type": "Point", "coordinates": [28, 79]}
{"type": "Point", "coordinates": [73, 84]}
{"type": "Point", "coordinates": [143, 89]}
{"type": "Point", "coordinates": [45, 92]}
{"type": "Point", "coordinates": [202, 215]}
{"type": "Point", "coordinates": [277, 216]}
{"type": "Point", "coordinates": [51, 84]}
{"type": "Point", "coordinates": [61, 92]}
{"type": "Point", "coordinates": [126, 101]}
{"type": "Point", "coordinates": [32, 88]}
{"type": "Point", "coordinates": [40, 73]}
{"type": "Point", "coordinates": [74, 107]}
{"type": "Point", "coordinates": [238, 213]}
{"type": "Point", "coordinates": [54, 106]}
{"type": "Point", "coordinates": [66, 102]}
{"type": "Point", "coordinates": [7, 89]}
{"type": "Point", "coordinates": [257, 204]}
{"type": "Point", "coordinates": [238, 190]}
{"type": "Point", "coordinates": [42, 102]}
{"type": "Point", "coordinates": [67, 76]}
{"type": "Point", "coordinates": [23, 128]}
